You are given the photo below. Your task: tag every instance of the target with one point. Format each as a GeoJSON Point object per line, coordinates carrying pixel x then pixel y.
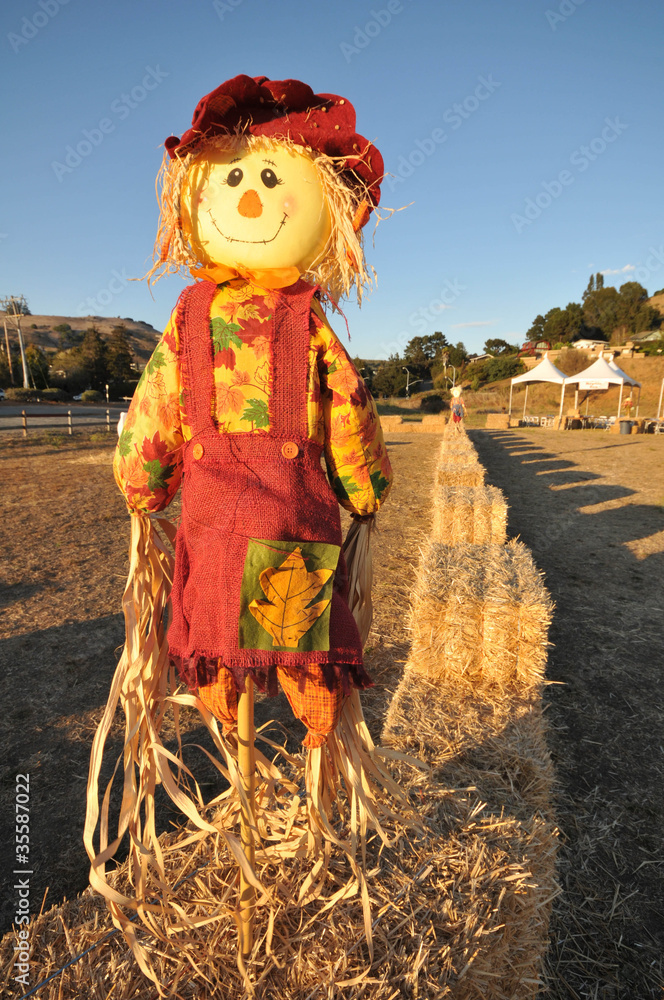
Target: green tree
{"type": "Point", "coordinates": [366, 371]}
{"type": "Point", "coordinates": [565, 325]}
{"type": "Point", "coordinates": [16, 305]}
{"type": "Point", "coordinates": [602, 311]}
{"type": "Point", "coordinates": [68, 371]}
{"type": "Point", "coordinates": [499, 348]}
{"type": "Point", "coordinates": [536, 331]}
{"type": "Point", "coordinates": [93, 358]}
{"type": "Point", "coordinates": [421, 352]}
{"type": "Point", "coordinates": [495, 369]}
{"type": "Point", "coordinates": [119, 358]}
{"type": "Point", "coordinates": [390, 379]}
{"type": "Point", "coordinates": [38, 366]}
{"type": "Point", "coordinates": [6, 379]}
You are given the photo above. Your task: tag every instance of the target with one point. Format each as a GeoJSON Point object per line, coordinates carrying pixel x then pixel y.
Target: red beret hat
{"type": "Point", "coordinates": [285, 109]}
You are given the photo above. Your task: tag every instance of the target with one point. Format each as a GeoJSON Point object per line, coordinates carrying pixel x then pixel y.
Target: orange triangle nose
{"type": "Point", "coordinates": [250, 205]}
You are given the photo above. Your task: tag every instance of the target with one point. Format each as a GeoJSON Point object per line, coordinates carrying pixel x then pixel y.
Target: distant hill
{"type": "Point", "coordinates": [39, 330]}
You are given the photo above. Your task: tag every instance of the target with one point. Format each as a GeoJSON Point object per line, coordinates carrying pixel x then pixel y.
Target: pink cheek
{"type": "Point", "coordinates": [289, 204]}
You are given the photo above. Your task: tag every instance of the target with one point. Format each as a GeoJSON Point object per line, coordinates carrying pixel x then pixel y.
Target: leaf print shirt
{"type": "Point", "coordinates": [341, 414]}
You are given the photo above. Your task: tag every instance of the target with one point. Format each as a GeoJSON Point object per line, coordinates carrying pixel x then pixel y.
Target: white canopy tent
{"type": "Point", "coordinates": [598, 377]}
{"type": "Point", "coordinates": [545, 371]}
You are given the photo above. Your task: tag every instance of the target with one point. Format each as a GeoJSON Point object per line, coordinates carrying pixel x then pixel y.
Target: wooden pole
{"type": "Point", "coordinates": [247, 767]}
{"type": "Point", "coordinates": [9, 356]}
{"type": "Point", "coordinates": [562, 398]}
{"type": "Point", "coordinates": [659, 405]}
{"type": "Point", "coordinates": [25, 423]}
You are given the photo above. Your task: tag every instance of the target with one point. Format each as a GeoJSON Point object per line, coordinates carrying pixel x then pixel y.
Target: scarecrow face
{"type": "Point", "coordinates": [263, 208]}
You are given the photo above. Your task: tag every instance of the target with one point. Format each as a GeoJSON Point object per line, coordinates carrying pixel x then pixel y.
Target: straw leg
{"type": "Point", "coordinates": [247, 767]}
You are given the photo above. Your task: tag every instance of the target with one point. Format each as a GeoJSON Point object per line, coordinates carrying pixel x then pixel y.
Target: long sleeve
{"type": "Point", "coordinates": [357, 461]}
{"type": "Point", "coordinates": [148, 459]}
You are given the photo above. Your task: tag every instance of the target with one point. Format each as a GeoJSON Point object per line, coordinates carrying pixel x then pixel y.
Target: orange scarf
{"type": "Point", "coordinates": [273, 277]}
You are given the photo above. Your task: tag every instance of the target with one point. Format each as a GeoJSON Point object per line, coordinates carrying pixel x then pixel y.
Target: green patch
{"type": "Point", "coordinates": [344, 486]}
{"type": "Point", "coordinates": [257, 413]}
{"type": "Point", "coordinates": [262, 555]}
{"type": "Point", "coordinates": [224, 334]}
{"type": "Point", "coordinates": [379, 484]}
{"type": "Point", "coordinates": [158, 475]}
{"type": "Point", "coordinates": [156, 362]}
{"type": "Point", "coordinates": [124, 444]}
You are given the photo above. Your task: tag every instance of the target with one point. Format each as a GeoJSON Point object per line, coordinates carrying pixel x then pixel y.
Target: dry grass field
{"type": "Point", "coordinates": [591, 508]}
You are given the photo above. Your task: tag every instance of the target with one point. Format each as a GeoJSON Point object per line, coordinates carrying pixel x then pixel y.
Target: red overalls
{"type": "Point", "coordinates": [255, 504]}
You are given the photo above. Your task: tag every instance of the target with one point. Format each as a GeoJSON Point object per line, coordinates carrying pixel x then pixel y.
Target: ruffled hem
{"type": "Point", "coordinates": [195, 671]}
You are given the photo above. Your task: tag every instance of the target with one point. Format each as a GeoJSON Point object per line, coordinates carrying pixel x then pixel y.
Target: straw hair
{"type": "Point", "coordinates": [341, 266]}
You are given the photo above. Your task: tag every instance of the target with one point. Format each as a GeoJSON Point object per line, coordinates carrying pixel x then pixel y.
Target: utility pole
{"type": "Point", "coordinates": [9, 356]}
{"type": "Point", "coordinates": [13, 307]}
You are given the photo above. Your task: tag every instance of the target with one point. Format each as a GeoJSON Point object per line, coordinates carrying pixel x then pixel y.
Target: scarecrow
{"type": "Point", "coordinates": [457, 406]}
{"type": "Point", "coordinates": [263, 201]}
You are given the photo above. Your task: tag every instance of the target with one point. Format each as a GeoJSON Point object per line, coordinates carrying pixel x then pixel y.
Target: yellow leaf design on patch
{"type": "Point", "coordinates": [289, 588]}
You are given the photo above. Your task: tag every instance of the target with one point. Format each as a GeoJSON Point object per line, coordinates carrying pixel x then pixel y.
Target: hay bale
{"type": "Point", "coordinates": [446, 620]}
{"type": "Point", "coordinates": [471, 473]}
{"type": "Point", "coordinates": [498, 421]}
{"type": "Point", "coordinates": [480, 617]}
{"type": "Point", "coordinates": [492, 780]}
{"type": "Point", "coordinates": [452, 910]}
{"type": "Point", "coordinates": [433, 422]}
{"type": "Point", "coordinates": [391, 423]}
{"type": "Point", "coordinates": [476, 514]}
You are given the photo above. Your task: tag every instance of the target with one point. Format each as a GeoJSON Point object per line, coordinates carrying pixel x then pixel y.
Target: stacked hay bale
{"type": "Point", "coordinates": [470, 705]}
{"type": "Point", "coordinates": [464, 509]}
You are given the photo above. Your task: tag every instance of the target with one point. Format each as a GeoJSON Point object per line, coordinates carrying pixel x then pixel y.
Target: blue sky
{"type": "Point", "coordinates": [525, 139]}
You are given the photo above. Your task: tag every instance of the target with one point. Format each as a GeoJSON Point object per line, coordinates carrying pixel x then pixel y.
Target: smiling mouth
{"type": "Point", "coordinates": [234, 239]}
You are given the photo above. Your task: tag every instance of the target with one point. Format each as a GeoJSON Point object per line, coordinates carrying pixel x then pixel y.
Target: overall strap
{"type": "Point", "coordinates": [290, 361]}
{"type": "Point", "coordinates": [192, 318]}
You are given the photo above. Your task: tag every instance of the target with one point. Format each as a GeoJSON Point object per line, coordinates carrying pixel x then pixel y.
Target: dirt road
{"type": "Point", "coordinates": [591, 507]}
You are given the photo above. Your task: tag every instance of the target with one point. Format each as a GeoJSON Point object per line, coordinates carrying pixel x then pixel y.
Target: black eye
{"type": "Point", "coordinates": [235, 177]}
{"type": "Point", "coordinates": [269, 178]}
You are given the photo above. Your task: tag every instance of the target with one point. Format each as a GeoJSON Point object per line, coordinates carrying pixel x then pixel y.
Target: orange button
{"type": "Point", "coordinates": [289, 449]}
{"type": "Point", "coordinates": [198, 450]}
